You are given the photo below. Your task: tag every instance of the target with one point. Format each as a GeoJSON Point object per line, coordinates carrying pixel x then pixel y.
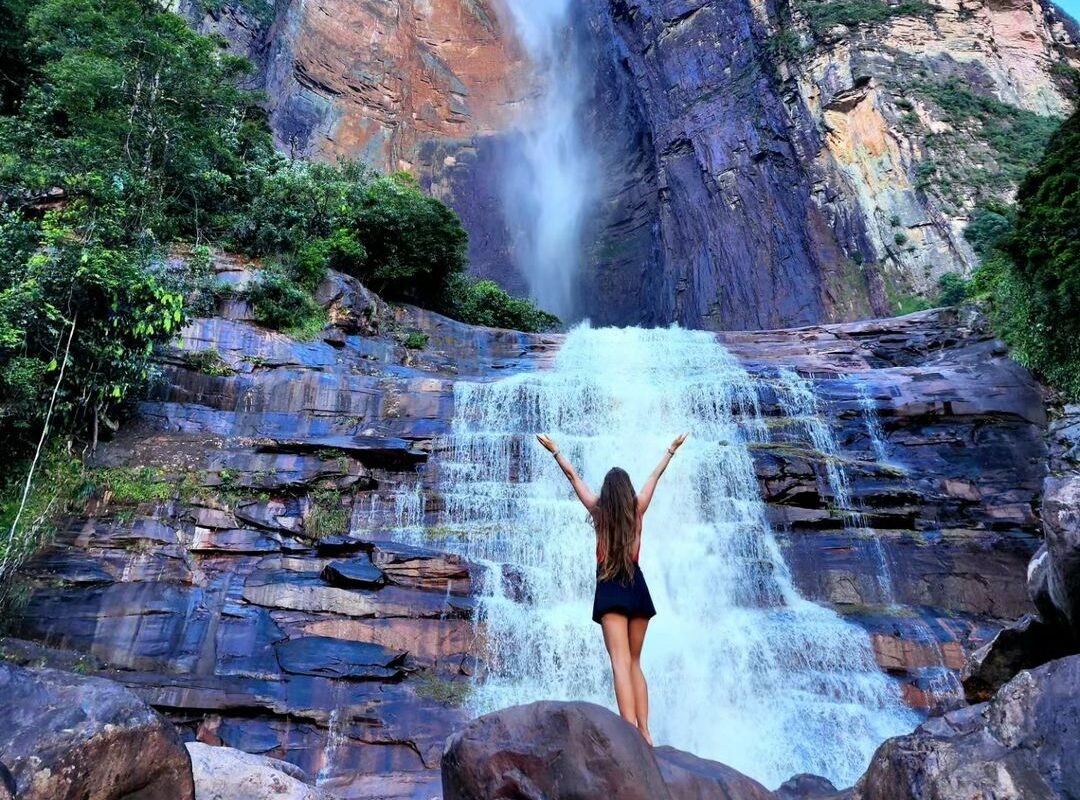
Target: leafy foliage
{"type": "Point", "coordinates": [952, 289]}
{"type": "Point", "coordinates": [106, 300]}
{"type": "Point", "coordinates": [486, 303]}
{"type": "Point", "coordinates": [991, 222]}
{"type": "Point", "coordinates": [380, 229]}
{"type": "Point", "coordinates": [991, 145]}
{"type": "Point", "coordinates": [128, 109]}
{"type": "Point", "coordinates": [1033, 279]}
{"type": "Point", "coordinates": [415, 340]}
{"type": "Point", "coordinates": [281, 303]}
{"type": "Point", "coordinates": [824, 15]}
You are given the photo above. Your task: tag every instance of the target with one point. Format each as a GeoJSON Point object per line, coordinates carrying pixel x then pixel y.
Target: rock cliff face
{"type": "Point", "coordinates": [237, 563]}
{"type": "Point", "coordinates": [763, 163]}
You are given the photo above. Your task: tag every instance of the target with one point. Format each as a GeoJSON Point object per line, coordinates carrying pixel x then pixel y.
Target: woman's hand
{"type": "Point", "coordinates": [547, 442]}
{"type": "Point", "coordinates": [677, 443]}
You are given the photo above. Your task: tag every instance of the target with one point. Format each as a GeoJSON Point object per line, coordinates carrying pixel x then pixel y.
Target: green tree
{"type": "Point", "coordinates": [486, 303]}
{"type": "Point", "coordinates": [105, 301]}
{"type": "Point", "coordinates": [1032, 279]}
{"type": "Point", "coordinates": [125, 105]}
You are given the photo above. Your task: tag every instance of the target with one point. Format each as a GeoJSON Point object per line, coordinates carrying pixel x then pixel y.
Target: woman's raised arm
{"type": "Point", "coordinates": [645, 495]}
{"type": "Point", "coordinates": [585, 495]}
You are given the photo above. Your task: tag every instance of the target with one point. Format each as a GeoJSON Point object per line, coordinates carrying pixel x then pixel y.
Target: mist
{"type": "Point", "coordinates": [549, 185]}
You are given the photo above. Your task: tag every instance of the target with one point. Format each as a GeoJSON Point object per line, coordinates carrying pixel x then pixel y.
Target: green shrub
{"type": "Point", "coordinates": [208, 362]}
{"type": "Point", "coordinates": [381, 230]}
{"type": "Point", "coordinates": [279, 303]}
{"type": "Point", "coordinates": [784, 45]}
{"type": "Point", "coordinates": [486, 303]}
{"type": "Point", "coordinates": [991, 221]}
{"type": "Point", "coordinates": [414, 243]}
{"type": "Point", "coordinates": [326, 515]}
{"type": "Point", "coordinates": [824, 15]}
{"type": "Point", "coordinates": [952, 289]}
{"type": "Point", "coordinates": [416, 340]}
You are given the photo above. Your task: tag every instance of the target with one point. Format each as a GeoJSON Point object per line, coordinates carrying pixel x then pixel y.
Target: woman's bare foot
{"type": "Point", "coordinates": [648, 737]}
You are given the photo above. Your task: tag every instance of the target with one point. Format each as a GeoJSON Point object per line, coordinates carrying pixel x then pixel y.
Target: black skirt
{"type": "Point", "coordinates": [631, 599]}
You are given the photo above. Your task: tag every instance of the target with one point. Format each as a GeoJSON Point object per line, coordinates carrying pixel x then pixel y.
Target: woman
{"type": "Point", "coordinates": [622, 604]}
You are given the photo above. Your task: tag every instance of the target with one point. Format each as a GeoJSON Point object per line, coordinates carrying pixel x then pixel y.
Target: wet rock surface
{"type": "Point", "coordinates": [575, 750]}
{"type": "Point", "coordinates": [1021, 744]}
{"type": "Point", "coordinates": [269, 600]}
{"type": "Point", "coordinates": [943, 441]}
{"type": "Point", "coordinates": [69, 737]}
{"type": "Point", "coordinates": [1053, 577]}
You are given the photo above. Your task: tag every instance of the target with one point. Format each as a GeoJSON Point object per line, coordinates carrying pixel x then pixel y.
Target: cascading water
{"type": "Point", "coordinates": [797, 398]}
{"type": "Point", "coordinates": [741, 668]}
{"type": "Point", "coordinates": [548, 188]}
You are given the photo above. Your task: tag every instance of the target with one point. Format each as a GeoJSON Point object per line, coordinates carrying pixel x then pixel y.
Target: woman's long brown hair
{"type": "Point", "coordinates": [615, 520]}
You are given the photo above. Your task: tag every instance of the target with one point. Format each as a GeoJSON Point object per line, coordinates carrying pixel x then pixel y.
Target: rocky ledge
{"type": "Point", "coordinates": [239, 564]}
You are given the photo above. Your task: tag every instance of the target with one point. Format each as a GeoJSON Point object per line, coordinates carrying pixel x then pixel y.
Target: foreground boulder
{"type": "Point", "coordinates": [1054, 574]}
{"type": "Point", "coordinates": [691, 778]}
{"type": "Point", "coordinates": [1023, 744]}
{"type": "Point", "coordinates": [575, 751]}
{"type": "Point", "coordinates": [69, 737]}
{"type": "Point", "coordinates": [223, 773]}
{"type": "Point", "coordinates": [1061, 525]}
{"type": "Point", "coordinates": [1026, 644]}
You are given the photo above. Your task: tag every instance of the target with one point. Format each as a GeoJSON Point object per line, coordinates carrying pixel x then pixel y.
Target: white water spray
{"type": "Point", "coordinates": [549, 187]}
{"type": "Point", "coordinates": [741, 668]}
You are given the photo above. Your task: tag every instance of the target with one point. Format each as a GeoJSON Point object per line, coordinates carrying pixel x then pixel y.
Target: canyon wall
{"type": "Point", "coordinates": [762, 165]}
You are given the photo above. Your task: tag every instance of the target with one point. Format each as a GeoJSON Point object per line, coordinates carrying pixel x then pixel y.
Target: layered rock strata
{"type": "Point", "coordinates": [239, 564]}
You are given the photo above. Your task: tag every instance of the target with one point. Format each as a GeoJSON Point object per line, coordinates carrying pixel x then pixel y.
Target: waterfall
{"type": "Point", "coordinates": [741, 668]}
{"type": "Point", "coordinates": [800, 404]}
{"type": "Point", "coordinates": [548, 187]}
{"type": "Point", "coordinates": [874, 431]}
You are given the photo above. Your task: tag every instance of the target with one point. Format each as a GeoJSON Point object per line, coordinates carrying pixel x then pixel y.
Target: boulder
{"type": "Point", "coordinates": [224, 773]}
{"type": "Point", "coordinates": [7, 784]}
{"type": "Point", "coordinates": [1021, 744]}
{"type": "Point", "coordinates": [1023, 645]}
{"type": "Point", "coordinates": [806, 787]}
{"type": "Point", "coordinates": [70, 737]}
{"type": "Point", "coordinates": [1038, 582]}
{"type": "Point", "coordinates": [572, 751]}
{"type": "Point", "coordinates": [691, 778]}
{"type": "Point", "coordinates": [356, 573]}
{"type": "Point", "coordinates": [1061, 527]}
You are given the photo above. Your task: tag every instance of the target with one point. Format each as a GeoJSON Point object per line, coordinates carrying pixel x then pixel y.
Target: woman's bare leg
{"type": "Point", "coordinates": [638, 626]}
{"type": "Point", "coordinates": [617, 641]}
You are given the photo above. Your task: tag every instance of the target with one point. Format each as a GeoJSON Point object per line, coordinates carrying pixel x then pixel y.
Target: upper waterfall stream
{"type": "Point", "coordinates": [741, 668]}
